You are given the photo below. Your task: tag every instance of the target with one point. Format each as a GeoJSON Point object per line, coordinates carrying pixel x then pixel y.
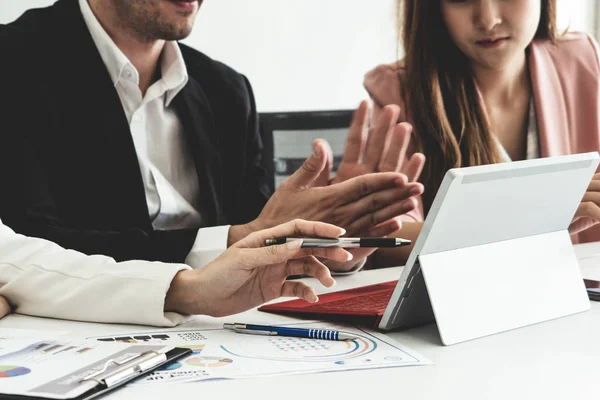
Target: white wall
{"type": "Point", "coordinates": [11, 9]}
{"type": "Point", "coordinates": [577, 15]}
{"type": "Point", "coordinates": [305, 54]}
{"type": "Point", "coordinates": [298, 55]}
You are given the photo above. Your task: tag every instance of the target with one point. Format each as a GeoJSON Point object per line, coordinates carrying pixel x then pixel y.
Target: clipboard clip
{"type": "Point", "coordinates": [125, 369]}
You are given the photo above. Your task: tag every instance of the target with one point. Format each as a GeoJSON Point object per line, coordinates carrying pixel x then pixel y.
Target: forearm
{"type": "Point", "coordinates": [238, 232]}
{"type": "Point", "coordinates": [182, 294]}
{"type": "Point", "coordinates": [42, 279]}
{"type": "Point", "coordinates": [393, 257]}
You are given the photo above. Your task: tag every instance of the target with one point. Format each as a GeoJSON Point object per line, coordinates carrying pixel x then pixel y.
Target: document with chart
{"type": "Point", "coordinates": [56, 366]}
{"type": "Point", "coordinates": [219, 353]}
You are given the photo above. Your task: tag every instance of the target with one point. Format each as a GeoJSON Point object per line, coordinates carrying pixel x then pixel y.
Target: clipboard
{"type": "Point", "coordinates": [117, 373]}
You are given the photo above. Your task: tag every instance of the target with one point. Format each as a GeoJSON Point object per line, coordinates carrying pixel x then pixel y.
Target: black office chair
{"type": "Point", "coordinates": [288, 137]}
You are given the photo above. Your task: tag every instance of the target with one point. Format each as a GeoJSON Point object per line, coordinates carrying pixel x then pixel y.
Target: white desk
{"type": "Point", "coordinates": [558, 359]}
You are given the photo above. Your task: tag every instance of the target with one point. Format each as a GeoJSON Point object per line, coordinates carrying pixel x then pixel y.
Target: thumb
{"type": "Point", "coordinates": [270, 255]}
{"type": "Point", "coordinates": [311, 168]}
{"type": "Point", "coordinates": [323, 178]}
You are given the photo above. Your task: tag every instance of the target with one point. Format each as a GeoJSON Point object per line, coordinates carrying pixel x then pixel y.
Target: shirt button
{"type": "Point", "coordinates": [137, 118]}
{"type": "Point", "coordinates": [128, 73]}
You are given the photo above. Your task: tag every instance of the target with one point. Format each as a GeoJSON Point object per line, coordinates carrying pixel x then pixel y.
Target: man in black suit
{"type": "Point", "coordinates": [117, 140]}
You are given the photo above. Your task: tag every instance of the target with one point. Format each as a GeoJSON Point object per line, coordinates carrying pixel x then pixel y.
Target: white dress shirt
{"type": "Point", "coordinates": [166, 165]}
{"type": "Point", "coordinates": [42, 279]}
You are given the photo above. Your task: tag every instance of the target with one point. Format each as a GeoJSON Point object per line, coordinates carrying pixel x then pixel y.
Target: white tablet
{"type": "Point", "coordinates": [494, 253]}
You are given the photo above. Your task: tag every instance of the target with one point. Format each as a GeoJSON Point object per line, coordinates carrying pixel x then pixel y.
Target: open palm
{"type": "Point", "coordinates": [378, 148]}
{"type": "Point", "coordinates": [381, 147]}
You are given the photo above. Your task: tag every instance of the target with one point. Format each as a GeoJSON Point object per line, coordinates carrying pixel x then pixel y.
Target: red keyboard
{"type": "Point", "coordinates": [365, 301]}
{"type": "Point", "coordinates": [369, 303]}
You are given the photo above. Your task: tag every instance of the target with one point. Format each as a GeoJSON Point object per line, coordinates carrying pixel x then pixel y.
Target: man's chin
{"type": "Point", "coordinates": [176, 34]}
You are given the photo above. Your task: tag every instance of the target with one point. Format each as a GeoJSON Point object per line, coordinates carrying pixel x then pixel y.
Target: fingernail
{"type": "Point", "coordinates": [316, 151]}
{"type": "Point", "coordinates": [334, 282]}
{"type": "Point", "coordinates": [316, 299]}
{"type": "Point", "coordinates": [415, 190]}
{"type": "Point", "coordinates": [294, 244]}
{"type": "Point", "coordinates": [350, 257]}
{"type": "Point", "coordinates": [343, 231]}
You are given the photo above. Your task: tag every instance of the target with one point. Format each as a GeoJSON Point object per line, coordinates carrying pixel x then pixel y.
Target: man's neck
{"type": "Point", "coordinates": [502, 87]}
{"type": "Point", "coordinates": [144, 54]}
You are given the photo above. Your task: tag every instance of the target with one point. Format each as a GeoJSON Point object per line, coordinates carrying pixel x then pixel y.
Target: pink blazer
{"type": "Point", "coordinates": [566, 90]}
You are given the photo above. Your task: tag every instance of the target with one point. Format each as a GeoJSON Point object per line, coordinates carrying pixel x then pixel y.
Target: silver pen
{"type": "Point", "coordinates": [345, 242]}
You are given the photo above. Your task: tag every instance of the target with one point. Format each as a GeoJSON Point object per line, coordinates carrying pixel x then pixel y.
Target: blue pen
{"type": "Point", "coordinates": [285, 331]}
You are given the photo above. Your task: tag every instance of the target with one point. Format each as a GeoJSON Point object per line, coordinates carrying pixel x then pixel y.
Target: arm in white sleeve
{"type": "Point", "coordinates": [210, 243]}
{"type": "Point", "coordinates": [40, 278]}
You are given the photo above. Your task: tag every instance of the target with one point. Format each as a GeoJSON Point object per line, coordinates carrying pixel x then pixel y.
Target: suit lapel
{"type": "Point", "coordinates": [552, 116]}
{"type": "Point", "coordinates": [196, 117]}
{"type": "Point", "coordinates": [106, 140]}
{"type": "Point", "coordinates": [94, 106]}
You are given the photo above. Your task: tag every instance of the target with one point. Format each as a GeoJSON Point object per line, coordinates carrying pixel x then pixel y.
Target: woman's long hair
{"type": "Point", "coordinates": [442, 95]}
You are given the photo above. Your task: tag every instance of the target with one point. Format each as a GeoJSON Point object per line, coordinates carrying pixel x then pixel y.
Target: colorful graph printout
{"type": "Point", "coordinates": [11, 371]}
{"type": "Point", "coordinates": [40, 368]}
{"type": "Point", "coordinates": [219, 353]}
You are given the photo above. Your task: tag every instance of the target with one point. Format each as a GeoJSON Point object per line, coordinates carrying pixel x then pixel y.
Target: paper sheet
{"type": "Point", "coordinates": [8, 333]}
{"type": "Point", "coordinates": [53, 366]}
{"type": "Point", "coordinates": [220, 353]}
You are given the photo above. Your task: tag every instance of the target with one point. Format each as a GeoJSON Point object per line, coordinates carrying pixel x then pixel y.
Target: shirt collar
{"type": "Point", "coordinates": [174, 72]}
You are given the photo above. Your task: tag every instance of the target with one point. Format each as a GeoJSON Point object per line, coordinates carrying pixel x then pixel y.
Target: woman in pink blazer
{"type": "Point", "coordinates": [486, 81]}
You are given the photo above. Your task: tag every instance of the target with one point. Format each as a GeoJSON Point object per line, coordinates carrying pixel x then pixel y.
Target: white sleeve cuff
{"type": "Point", "coordinates": [210, 243]}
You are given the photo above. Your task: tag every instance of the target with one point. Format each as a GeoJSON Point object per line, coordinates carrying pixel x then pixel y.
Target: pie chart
{"type": "Point", "coordinates": [11, 371]}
